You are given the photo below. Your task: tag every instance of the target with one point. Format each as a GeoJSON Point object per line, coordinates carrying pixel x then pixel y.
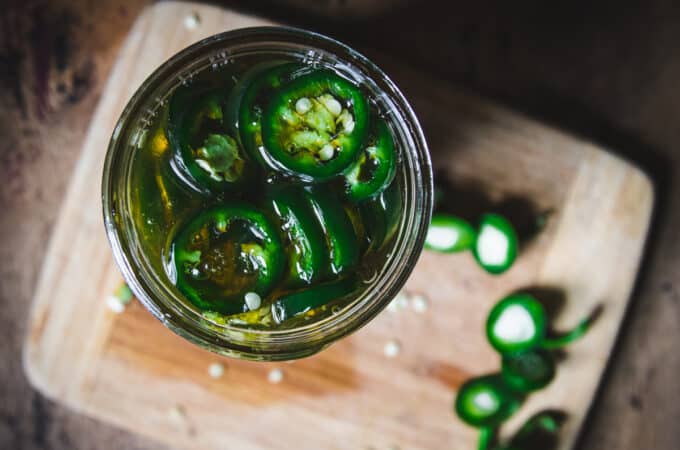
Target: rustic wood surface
{"type": "Point", "coordinates": [606, 72]}
{"type": "Point", "coordinates": [80, 353]}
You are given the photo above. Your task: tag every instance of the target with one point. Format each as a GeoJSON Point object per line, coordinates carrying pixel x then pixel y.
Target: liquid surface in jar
{"type": "Point", "coordinates": [269, 191]}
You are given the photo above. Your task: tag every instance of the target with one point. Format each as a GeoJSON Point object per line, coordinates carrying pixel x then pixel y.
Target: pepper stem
{"type": "Point", "coordinates": [573, 335]}
{"type": "Point", "coordinates": [487, 438]}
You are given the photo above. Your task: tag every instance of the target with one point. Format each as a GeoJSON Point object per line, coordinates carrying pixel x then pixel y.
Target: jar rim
{"type": "Point", "coordinates": [309, 338]}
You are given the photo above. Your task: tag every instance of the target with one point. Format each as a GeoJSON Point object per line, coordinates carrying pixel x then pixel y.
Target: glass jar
{"type": "Point", "coordinates": [146, 276]}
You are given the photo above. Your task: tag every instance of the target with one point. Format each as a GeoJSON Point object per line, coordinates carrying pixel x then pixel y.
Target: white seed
{"type": "Point", "coordinates": [191, 21]}
{"type": "Point", "coordinates": [399, 302]}
{"type": "Point", "coordinates": [419, 303]}
{"type": "Point", "coordinates": [215, 370]}
{"type": "Point", "coordinates": [303, 105]}
{"type": "Point", "coordinates": [253, 301]}
{"type": "Point", "coordinates": [275, 376]}
{"type": "Point", "coordinates": [392, 348]}
{"type": "Point", "coordinates": [347, 121]}
{"type": "Point", "coordinates": [115, 304]}
{"type": "Point", "coordinates": [326, 152]}
{"type": "Point", "coordinates": [332, 105]}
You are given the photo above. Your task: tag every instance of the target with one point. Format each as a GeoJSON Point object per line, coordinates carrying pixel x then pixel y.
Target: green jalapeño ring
{"type": "Point", "coordinates": [266, 192]}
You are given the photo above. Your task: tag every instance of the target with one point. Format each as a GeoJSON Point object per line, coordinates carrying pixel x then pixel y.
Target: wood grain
{"type": "Point", "coordinates": [131, 371]}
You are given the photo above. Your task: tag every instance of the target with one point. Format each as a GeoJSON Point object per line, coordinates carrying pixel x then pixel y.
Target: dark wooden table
{"type": "Point", "coordinates": [609, 71]}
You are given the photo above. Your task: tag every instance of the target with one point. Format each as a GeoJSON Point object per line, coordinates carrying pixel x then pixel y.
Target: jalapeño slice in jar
{"type": "Point", "coordinates": [232, 106]}
{"type": "Point", "coordinates": [303, 237]}
{"type": "Point", "coordinates": [249, 98]}
{"type": "Point", "coordinates": [202, 145]}
{"type": "Point", "coordinates": [342, 243]}
{"type": "Point", "coordinates": [301, 302]}
{"type": "Point", "coordinates": [224, 254]}
{"type": "Point", "coordinates": [375, 166]}
{"type": "Point", "coordinates": [380, 215]}
{"type": "Point", "coordinates": [315, 125]}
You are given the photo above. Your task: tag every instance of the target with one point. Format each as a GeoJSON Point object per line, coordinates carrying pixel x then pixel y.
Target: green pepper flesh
{"type": "Point", "coordinates": [223, 254]}
{"type": "Point", "coordinates": [303, 237]}
{"type": "Point", "coordinates": [449, 234]}
{"type": "Point", "coordinates": [202, 144]}
{"type": "Point", "coordinates": [375, 166]}
{"type": "Point", "coordinates": [250, 97]}
{"type": "Point", "coordinates": [528, 371]}
{"type": "Point", "coordinates": [516, 323]}
{"type": "Point", "coordinates": [486, 401]}
{"type": "Point", "coordinates": [341, 239]}
{"type": "Point", "coordinates": [298, 303]}
{"type": "Point", "coordinates": [315, 125]}
{"type": "Point", "coordinates": [496, 245]}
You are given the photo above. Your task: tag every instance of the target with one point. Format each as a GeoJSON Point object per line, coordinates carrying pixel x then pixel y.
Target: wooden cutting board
{"type": "Point", "coordinates": [129, 370]}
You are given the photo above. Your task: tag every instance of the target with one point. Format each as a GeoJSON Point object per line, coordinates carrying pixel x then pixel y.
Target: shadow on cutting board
{"type": "Point", "coordinates": [469, 199]}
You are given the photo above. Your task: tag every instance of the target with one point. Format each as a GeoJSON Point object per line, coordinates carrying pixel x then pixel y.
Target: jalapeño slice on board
{"type": "Point", "coordinates": [202, 145]}
{"type": "Point", "coordinates": [518, 323]}
{"type": "Point", "coordinates": [375, 165]}
{"type": "Point", "coordinates": [226, 254]}
{"type": "Point", "coordinates": [486, 401]}
{"type": "Point", "coordinates": [303, 237]}
{"type": "Point", "coordinates": [497, 244]}
{"type": "Point", "coordinates": [315, 125]}
{"type": "Point", "coordinates": [449, 234]}
{"type": "Point", "coordinates": [539, 431]}
{"type": "Point", "coordinates": [528, 371]}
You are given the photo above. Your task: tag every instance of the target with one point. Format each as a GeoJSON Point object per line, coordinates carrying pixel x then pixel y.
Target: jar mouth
{"type": "Point", "coordinates": [163, 301]}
